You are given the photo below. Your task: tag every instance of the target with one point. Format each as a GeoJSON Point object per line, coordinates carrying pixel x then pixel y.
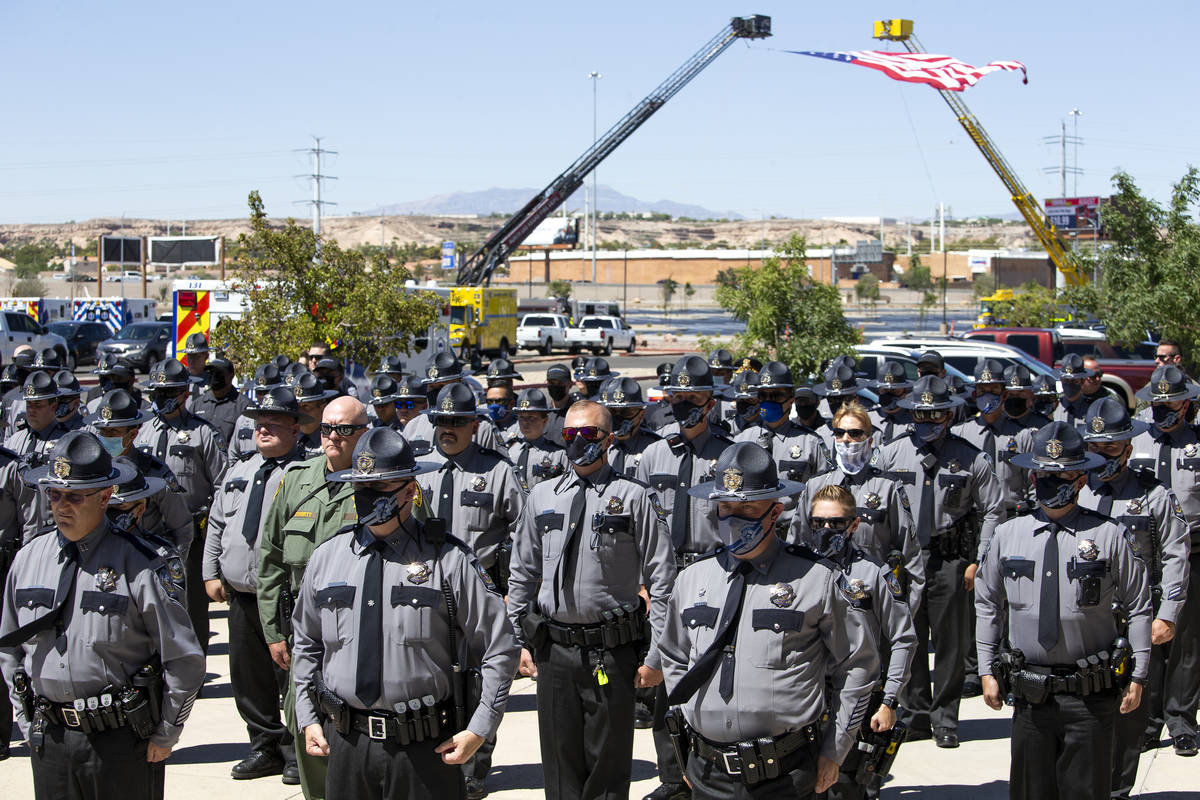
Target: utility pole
{"type": "Point", "coordinates": [595, 76]}
{"type": "Point", "coordinates": [316, 151]}
{"type": "Point", "coordinates": [1076, 114]}
{"type": "Point", "coordinates": [1062, 140]}
{"type": "Point", "coordinates": [942, 216]}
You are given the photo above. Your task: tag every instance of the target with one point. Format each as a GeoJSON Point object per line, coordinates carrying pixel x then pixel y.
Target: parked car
{"type": "Point", "coordinates": [141, 344]}
{"type": "Point", "coordinates": [602, 335]}
{"type": "Point", "coordinates": [82, 338]}
{"type": "Point", "coordinates": [542, 332]}
{"type": "Point", "coordinates": [963, 354]}
{"type": "Point", "coordinates": [18, 328]}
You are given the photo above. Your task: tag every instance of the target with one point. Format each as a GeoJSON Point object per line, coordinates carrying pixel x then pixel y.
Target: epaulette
{"type": "Point", "coordinates": [139, 544]}
{"type": "Point", "coordinates": [630, 478]}
{"type": "Point", "coordinates": [812, 555]}
{"type": "Point", "coordinates": [487, 451]}
{"type": "Point", "coordinates": [675, 441]}
{"type": "Point", "coordinates": [1145, 478]}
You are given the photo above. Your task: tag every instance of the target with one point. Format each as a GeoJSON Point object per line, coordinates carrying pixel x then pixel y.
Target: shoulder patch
{"type": "Point", "coordinates": [172, 589]}
{"type": "Point", "coordinates": [903, 497]}
{"type": "Point", "coordinates": [893, 584]}
{"type": "Point", "coordinates": [1131, 539]}
{"type": "Point", "coordinates": [659, 511]}
{"type": "Point", "coordinates": [1176, 508]}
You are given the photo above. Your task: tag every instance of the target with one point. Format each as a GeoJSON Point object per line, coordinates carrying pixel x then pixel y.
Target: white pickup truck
{"type": "Point", "coordinates": [542, 332]}
{"type": "Point", "coordinates": [602, 335]}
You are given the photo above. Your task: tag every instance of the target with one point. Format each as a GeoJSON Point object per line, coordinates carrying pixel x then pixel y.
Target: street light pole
{"type": "Point", "coordinates": [595, 76]}
{"type": "Point", "coordinates": [1076, 114]}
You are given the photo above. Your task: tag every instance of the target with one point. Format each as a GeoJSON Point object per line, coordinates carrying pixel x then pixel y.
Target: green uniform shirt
{"type": "Point", "coordinates": [296, 523]}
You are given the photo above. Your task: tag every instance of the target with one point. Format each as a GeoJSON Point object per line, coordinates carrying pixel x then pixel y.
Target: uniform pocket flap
{"type": "Point", "coordinates": [905, 475]}
{"type": "Point", "coordinates": [34, 596]}
{"type": "Point", "coordinates": [663, 481]}
{"type": "Point", "coordinates": [1134, 523]}
{"type": "Point", "coordinates": [419, 596]}
{"type": "Point", "coordinates": [106, 602]}
{"type": "Point", "coordinates": [1017, 568]}
{"type": "Point", "coordinates": [182, 450]}
{"type": "Point", "coordinates": [245, 433]}
{"type": "Point", "coordinates": [1086, 569]}
{"type": "Point", "coordinates": [777, 619]}
{"type": "Point", "coordinates": [871, 515]}
{"type": "Point", "coordinates": [236, 485]}
{"type": "Point", "coordinates": [549, 522]}
{"type": "Point", "coordinates": [954, 481]}
{"type": "Point", "coordinates": [611, 523]}
{"type": "Point", "coordinates": [700, 615]}
{"type": "Point", "coordinates": [477, 499]}
{"type": "Point", "coordinates": [331, 596]}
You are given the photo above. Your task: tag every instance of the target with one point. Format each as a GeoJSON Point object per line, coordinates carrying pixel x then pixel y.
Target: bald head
{"type": "Point", "coordinates": [342, 411]}
{"type": "Point", "coordinates": [345, 410]}
{"type": "Point", "coordinates": [22, 348]}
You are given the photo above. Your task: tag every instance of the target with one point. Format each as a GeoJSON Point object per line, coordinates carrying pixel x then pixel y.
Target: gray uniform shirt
{"type": "Point", "coordinates": [623, 544]}
{"type": "Point", "coordinates": [1001, 441]}
{"type": "Point", "coordinates": [1012, 571]}
{"type": "Point", "coordinates": [870, 586]}
{"type": "Point", "coordinates": [961, 478]}
{"type": "Point", "coordinates": [222, 412]}
{"type": "Point", "coordinates": [798, 451]}
{"type": "Point", "coordinates": [192, 449]}
{"type": "Point", "coordinates": [885, 521]}
{"type": "Point", "coordinates": [1159, 532]}
{"type": "Point", "coordinates": [796, 627]}
{"type": "Point", "coordinates": [485, 503]}
{"type": "Point", "coordinates": [537, 461]}
{"type": "Point", "coordinates": [420, 429]}
{"type": "Point", "coordinates": [231, 551]}
{"type": "Point", "coordinates": [124, 611]}
{"type": "Point", "coordinates": [661, 468]}
{"type": "Point", "coordinates": [1175, 459]}
{"type": "Point", "coordinates": [626, 454]}
{"type": "Point", "coordinates": [416, 634]}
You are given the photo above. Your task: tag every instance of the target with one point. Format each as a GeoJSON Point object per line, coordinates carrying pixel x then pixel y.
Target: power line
{"type": "Point", "coordinates": [1062, 169]}
{"type": "Point", "coordinates": [317, 178]}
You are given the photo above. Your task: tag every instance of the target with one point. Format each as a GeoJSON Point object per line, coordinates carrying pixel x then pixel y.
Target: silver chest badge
{"type": "Point", "coordinates": [795, 451]}
{"type": "Point", "coordinates": [615, 505]}
{"type": "Point", "coordinates": [782, 595]}
{"type": "Point", "coordinates": [1191, 449]}
{"type": "Point", "coordinates": [1088, 550]}
{"type": "Point", "coordinates": [106, 579]}
{"type": "Point", "coordinates": [953, 465]}
{"type": "Point", "coordinates": [418, 572]}
{"type": "Point", "coordinates": [856, 589]}
{"type": "Point", "coordinates": [1134, 506]}
{"type": "Point", "coordinates": [872, 500]}
{"type": "Point", "coordinates": [184, 437]}
{"type": "Point", "coordinates": [479, 484]}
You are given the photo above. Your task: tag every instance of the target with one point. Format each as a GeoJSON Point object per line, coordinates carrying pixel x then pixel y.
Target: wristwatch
{"type": "Point", "coordinates": [890, 701]}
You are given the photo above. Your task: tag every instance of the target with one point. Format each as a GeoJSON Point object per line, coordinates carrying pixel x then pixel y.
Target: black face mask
{"type": "Point", "coordinates": [888, 401]}
{"type": "Point", "coordinates": [1044, 407]}
{"type": "Point", "coordinates": [834, 404]}
{"type": "Point", "coordinates": [165, 402]}
{"type": "Point", "coordinates": [1016, 406]}
{"type": "Point", "coordinates": [746, 409]}
{"type": "Point", "coordinates": [375, 507]}
{"type": "Point", "coordinates": [218, 380]}
{"type": "Point", "coordinates": [806, 414]}
{"type": "Point", "coordinates": [1164, 417]}
{"type": "Point", "coordinates": [583, 453]}
{"type": "Point", "coordinates": [329, 382]}
{"type": "Point", "coordinates": [625, 427]}
{"type": "Point", "coordinates": [689, 415]}
{"type": "Point", "coordinates": [63, 410]}
{"type": "Point", "coordinates": [1111, 469]}
{"type": "Point", "coordinates": [1053, 491]}
{"type": "Point", "coordinates": [556, 391]}
{"type": "Point", "coordinates": [106, 383]}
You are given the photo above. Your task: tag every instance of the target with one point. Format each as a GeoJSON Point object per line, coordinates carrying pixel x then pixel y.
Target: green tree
{"type": "Point", "coordinates": [689, 291]}
{"type": "Point", "coordinates": [303, 289]}
{"type": "Point", "coordinates": [559, 289]}
{"type": "Point", "coordinates": [929, 300]}
{"type": "Point", "coordinates": [669, 287]}
{"type": "Point", "coordinates": [918, 275]}
{"type": "Point", "coordinates": [29, 287]}
{"type": "Point", "coordinates": [1032, 306]}
{"type": "Point", "coordinates": [789, 317]}
{"type": "Point", "coordinates": [867, 289]}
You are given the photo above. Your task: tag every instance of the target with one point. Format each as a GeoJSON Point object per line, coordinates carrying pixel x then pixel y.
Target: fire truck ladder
{"type": "Point", "coordinates": [898, 30]}
{"type": "Point", "coordinates": [478, 269]}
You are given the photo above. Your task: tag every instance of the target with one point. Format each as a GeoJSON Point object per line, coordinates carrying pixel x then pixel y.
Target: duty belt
{"type": "Point", "coordinates": [757, 759]}
{"type": "Point", "coordinates": [411, 727]}
{"type": "Point", "coordinates": [621, 630]}
{"type": "Point", "coordinates": [92, 714]}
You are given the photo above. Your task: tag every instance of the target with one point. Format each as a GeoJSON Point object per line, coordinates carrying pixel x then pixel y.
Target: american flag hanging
{"type": "Point", "coordinates": [941, 72]}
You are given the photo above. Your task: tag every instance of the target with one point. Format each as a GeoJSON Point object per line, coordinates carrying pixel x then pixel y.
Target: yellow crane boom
{"type": "Point", "coordinates": [900, 30]}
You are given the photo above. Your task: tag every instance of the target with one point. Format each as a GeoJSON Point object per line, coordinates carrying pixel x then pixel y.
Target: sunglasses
{"type": "Point", "coordinates": [832, 523]}
{"type": "Point", "coordinates": [1163, 356]}
{"type": "Point", "coordinates": [930, 416]}
{"type": "Point", "coordinates": [69, 498]}
{"type": "Point", "coordinates": [590, 433]}
{"type": "Point", "coordinates": [409, 405]}
{"type": "Point", "coordinates": [856, 434]}
{"type": "Point", "coordinates": [452, 422]}
{"type": "Point", "coordinates": [344, 430]}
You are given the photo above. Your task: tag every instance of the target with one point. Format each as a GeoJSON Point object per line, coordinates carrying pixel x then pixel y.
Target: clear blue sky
{"type": "Point", "coordinates": [178, 110]}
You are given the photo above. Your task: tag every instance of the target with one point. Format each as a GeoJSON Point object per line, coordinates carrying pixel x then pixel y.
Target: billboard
{"type": "Point", "coordinates": [554, 231]}
{"type": "Point", "coordinates": [1075, 213]}
{"type": "Point", "coordinates": [448, 258]}
{"type": "Point", "coordinates": [121, 250]}
{"type": "Point", "coordinates": [182, 251]}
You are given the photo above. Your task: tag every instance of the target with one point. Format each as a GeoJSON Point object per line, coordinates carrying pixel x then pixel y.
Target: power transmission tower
{"type": "Point", "coordinates": [316, 151]}
{"type": "Point", "coordinates": [1062, 140]}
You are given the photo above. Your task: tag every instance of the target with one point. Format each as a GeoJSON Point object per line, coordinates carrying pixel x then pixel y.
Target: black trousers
{"type": "Point", "coordinates": [1130, 729]}
{"type": "Point", "coordinates": [1061, 749]}
{"type": "Point", "coordinates": [586, 730]}
{"type": "Point", "coordinates": [197, 598]}
{"type": "Point", "coordinates": [362, 768]}
{"type": "Point", "coordinates": [943, 617]}
{"type": "Point", "coordinates": [97, 766]}
{"type": "Point", "coordinates": [257, 682]}
{"type": "Point", "coordinates": [668, 765]}
{"type": "Point", "coordinates": [1181, 689]}
{"type": "Point", "coordinates": [710, 781]}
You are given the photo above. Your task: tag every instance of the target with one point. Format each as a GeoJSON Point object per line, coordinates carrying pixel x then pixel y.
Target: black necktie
{"type": "Point", "coordinates": [679, 514]}
{"type": "Point", "coordinates": [925, 515]}
{"type": "Point", "coordinates": [570, 551]}
{"type": "Point", "coordinates": [618, 463]}
{"type": "Point", "coordinates": [257, 493]}
{"type": "Point", "coordinates": [370, 628]}
{"type": "Point", "coordinates": [989, 445]}
{"type": "Point", "coordinates": [160, 449]}
{"type": "Point", "coordinates": [700, 672]}
{"type": "Point", "coordinates": [66, 582]}
{"type": "Point", "coordinates": [1048, 600]}
{"type": "Point", "coordinates": [1164, 460]}
{"type": "Point", "coordinates": [523, 465]}
{"type": "Point", "coordinates": [446, 496]}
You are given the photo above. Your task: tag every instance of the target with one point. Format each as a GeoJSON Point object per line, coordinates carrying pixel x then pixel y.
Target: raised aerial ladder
{"type": "Point", "coordinates": [478, 269]}
{"type": "Point", "coordinates": [900, 30]}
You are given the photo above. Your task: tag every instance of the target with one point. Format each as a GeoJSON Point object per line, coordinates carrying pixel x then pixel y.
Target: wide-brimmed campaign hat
{"type": "Point", "coordinates": [411, 387]}
{"type": "Point", "coordinates": [278, 400]}
{"type": "Point", "coordinates": [745, 472]}
{"type": "Point", "coordinates": [195, 343]}
{"type": "Point", "coordinates": [930, 393]}
{"type": "Point", "coordinates": [840, 381]}
{"type": "Point", "coordinates": [594, 369]}
{"type": "Point", "coordinates": [444, 368]}
{"type": "Point", "coordinates": [502, 369]}
{"type": "Point", "coordinates": [532, 400]}
{"type": "Point", "coordinates": [308, 388]}
{"type": "Point", "coordinates": [1167, 384]}
{"type": "Point", "coordinates": [108, 364]}
{"type": "Point", "coordinates": [39, 386]}
{"type": "Point", "coordinates": [47, 359]}
{"type": "Point", "coordinates": [622, 393]}
{"type": "Point", "coordinates": [138, 487]}
{"type": "Point", "coordinates": [1058, 447]}
{"type": "Point", "coordinates": [892, 376]}
{"type": "Point", "coordinates": [383, 389]}
{"type": "Point", "coordinates": [391, 365]}
{"type": "Point", "coordinates": [117, 409]}
{"type": "Point", "coordinates": [1073, 369]}
{"type": "Point", "coordinates": [455, 400]}
{"type": "Point", "coordinates": [1017, 378]}
{"type": "Point", "coordinates": [988, 370]}
{"type": "Point", "coordinates": [382, 454]}
{"type": "Point", "coordinates": [775, 375]}
{"type": "Point", "coordinates": [168, 374]}
{"type": "Point", "coordinates": [1108, 420]}
{"type": "Point", "coordinates": [78, 461]}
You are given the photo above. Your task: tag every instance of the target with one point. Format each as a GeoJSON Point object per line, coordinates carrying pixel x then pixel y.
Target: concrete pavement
{"type": "Point", "coordinates": [215, 739]}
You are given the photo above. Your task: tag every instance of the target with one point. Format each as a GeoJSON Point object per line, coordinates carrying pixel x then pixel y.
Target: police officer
{"type": "Point", "coordinates": [98, 725]}
{"type": "Point", "coordinates": [1045, 395]}
{"type": "Point", "coordinates": [623, 399]}
{"type": "Point", "coordinates": [306, 511]}
{"type": "Point", "coordinates": [658, 412]}
{"type": "Point", "coordinates": [797, 449]}
{"type": "Point", "coordinates": [312, 395]}
{"type": "Point", "coordinates": [586, 542]}
{"type": "Point", "coordinates": [22, 360]}
{"type": "Point", "coordinates": [1072, 406]}
{"type": "Point", "coordinates": [112, 373]}
{"type": "Point", "coordinates": [807, 409]}
{"type": "Point", "coordinates": [191, 448]}
{"type": "Point", "coordinates": [393, 366]}
{"type": "Point", "coordinates": [67, 411]}
{"type": "Point", "coordinates": [444, 371]}
{"type": "Point", "coordinates": [752, 634]}
{"type": "Point", "coordinates": [558, 387]}
{"type": "Point", "coordinates": [411, 402]}
{"type": "Point", "coordinates": [535, 457]}
{"type": "Point", "coordinates": [954, 494]}
{"type": "Point", "coordinates": [888, 418]}
{"type": "Point", "coordinates": [116, 423]}
{"type": "Point", "coordinates": [839, 386]}
{"type": "Point", "coordinates": [501, 372]}
{"type": "Point", "coordinates": [1170, 449]}
{"type": "Point", "coordinates": [875, 588]}
{"type": "Point", "coordinates": [744, 405]}
{"type": "Point", "coordinates": [241, 442]}
{"type": "Point", "coordinates": [127, 510]}
{"type": "Point", "coordinates": [218, 401]}
{"type": "Point", "coordinates": [195, 356]}
{"type": "Point", "coordinates": [1057, 571]}
{"type": "Point", "coordinates": [592, 374]}
{"type": "Point", "coordinates": [382, 402]}
{"type": "Point", "coordinates": [884, 530]}
{"type": "Point", "coordinates": [384, 670]}
{"type": "Point", "coordinates": [720, 361]}
{"type": "Point", "coordinates": [501, 405]}
{"type": "Point", "coordinates": [1159, 532]}
{"type": "Point", "coordinates": [36, 435]}
{"type": "Point", "coordinates": [47, 361]}
{"type": "Point", "coordinates": [230, 569]}
{"type": "Point", "coordinates": [332, 375]}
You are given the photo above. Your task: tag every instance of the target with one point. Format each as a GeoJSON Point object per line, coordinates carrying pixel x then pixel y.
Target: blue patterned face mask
{"type": "Point", "coordinates": [741, 535]}
{"type": "Point", "coordinates": [929, 431]}
{"type": "Point", "coordinates": [770, 410]}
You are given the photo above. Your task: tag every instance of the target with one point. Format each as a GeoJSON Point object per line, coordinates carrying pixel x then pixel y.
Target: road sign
{"type": "Point", "coordinates": [1075, 213]}
{"type": "Point", "coordinates": [448, 258]}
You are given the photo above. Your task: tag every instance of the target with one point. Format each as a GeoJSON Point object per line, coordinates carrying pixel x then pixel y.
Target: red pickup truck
{"type": "Point", "coordinates": [1123, 375]}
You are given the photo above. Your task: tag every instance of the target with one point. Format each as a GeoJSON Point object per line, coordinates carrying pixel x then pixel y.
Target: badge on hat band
{"type": "Point", "coordinates": [62, 468]}
{"type": "Point", "coordinates": [618, 396]}
{"type": "Point", "coordinates": [432, 372]}
{"type": "Point", "coordinates": [524, 404]}
{"type": "Point", "coordinates": [448, 405]}
{"type": "Point", "coordinates": [1164, 386]}
{"type": "Point", "coordinates": [1097, 424]}
{"type": "Point", "coordinates": [889, 378]}
{"type": "Point", "coordinates": [1054, 448]}
{"type": "Point", "coordinates": [377, 393]}
{"type": "Point", "coordinates": [683, 379]}
{"type": "Point", "coordinates": [365, 463]}
{"type": "Point", "coordinates": [268, 401]}
{"type": "Point", "coordinates": [1015, 380]}
{"type": "Point", "coordinates": [782, 595]}
{"type": "Point", "coordinates": [927, 398]}
{"type": "Point", "coordinates": [835, 385]}
{"type": "Point", "coordinates": [732, 479]}
{"type": "Point", "coordinates": [106, 413]}
{"type": "Point", "coordinates": [30, 390]}
{"type": "Point", "coordinates": [985, 376]}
